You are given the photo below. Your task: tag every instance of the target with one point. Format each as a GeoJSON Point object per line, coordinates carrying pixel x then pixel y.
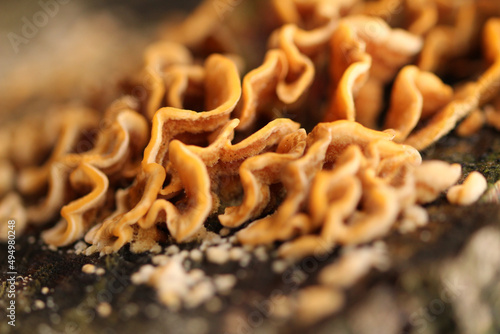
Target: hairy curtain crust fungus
{"type": "Point", "coordinates": [361, 87]}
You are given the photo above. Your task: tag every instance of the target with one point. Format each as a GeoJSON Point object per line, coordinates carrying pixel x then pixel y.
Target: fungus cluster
{"type": "Point", "coordinates": [299, 148]}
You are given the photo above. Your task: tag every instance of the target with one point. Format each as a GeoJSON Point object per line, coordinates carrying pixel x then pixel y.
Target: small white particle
{"type": "Point", "coordinates": [80, 246]}
{"type": "Point", "coordinates": [249, 248]}
{"type": "Point", "coordinates": [143, 275]}
{"type": "Point", "coordinates": [184, 254]}
{"type": "Point", "coordinates": [160, 259]}
{"type": "Point", "coordinates": [171, 299]}
{"type": "Point", "coordinates": [196, 255]}
{"type": "Point", "coordinates": [100, 271]}
{"type": "Point", "coordinates": [245, 260]}
{"type": "Point", "coordinates": [45, 290]}
{"type": "Point", "coordinates": [156, 249]}
{"type": "Point", "coordinates": [224, 283]}
{"type": "Point", "coordinates": [88, 268]}
{"type": "Point", "coordinates": [200, 293]}
{"type": "Point", "coordinates": [52, 248]}
{"type": "Point", "coordinates": [236, 253]}
{"type": "Point", "coordinates": [279, 266]}
{"type": "Point", "coordinates": [39, 304]}
{"type": "Point", "coordinates": [90, 250]}
{"type": "Point", "coordinates": [217, 255]}
{"type": "Point", "coordinates": [172, 249]}
{"type": "Point", "coordinates": [224, 231]}
{"type": "Point", "coordinates": [225, 246]}
{"type": "Point", "coordinates": [261, 254]}
{"type": "Point", "coordinates": [104, 310]}
{"type": "Point", "coordinates": [196, 275]}
{"type": "Point", "coordinates": [212, 238]}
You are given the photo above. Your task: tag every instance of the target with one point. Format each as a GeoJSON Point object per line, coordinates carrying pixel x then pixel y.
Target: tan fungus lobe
{"type": "Point", "coordinates": [472, 123]}
{"type": "Point", "coordinates": [222, 92]}
{"type": "Point", "coordinates": [89, 173]}
{"type": "Point", "coordinates": [224, 159]}
{"type": "Point", "coordinates": [468, 98]}
{"type": "Point", "coordinates": [73, 225]}
{"type": "Point", "coordinates": [492, 116]}
{"type": "Point", "coordinates": [325, 143]}
{"type": "Point", "coordinates": [380, 209]}
{"type": "Point", "coordinates": [259, 86]}
{"type": "Point", "coordinates": [334, 195]}
{"type": "Point", "coordinates": [285, 222]}
{"type": "Point", "coordinates": [183, 223]}
{"type": "Point", "coordinates": [298, 45]}
{"type": "Point", "coordinates": [31, 137]}
{"type": "Point", "coordinates": [174, 75]}
{"type": "Point", "coordinates": [113, 147]}
{"type": "Point", "coordinates": [209, 24]}
{"type": "Point", "coordinates": [257, 173]}
{"type": "Point", "coordinates": [363, 48]}
{"type": "Point", "coordinates": [336, 212]}
{"type": "Point", "coordinates": [423, 16]}
{"type": "Point", "coordinates": [307, 14]}
{"type": "Point", "coordinates": [433, 177]}
{"type": "Point", "coordinates": [287, 70]}
{"type": "Point", "coordinates": [210, 155]}
{"type": "Point", "coordinates": [73, 122]}
{"type": "Point", "coordinates": [389, 48]}
{"type": "Point", "coordinates": [343, 183]}
{"type": "Point", "coordinates": [468, 192]}
{"type": "Point", "coordinates": [117, 230]}
{"type": "Point", "coordinates": [443, 42]}
{"type": "Point", "coordinates": [349, 71]}
{"type": "Point", "coordinates": [415, 95]}
{"type": "Point", "coordinates": [159, 60]}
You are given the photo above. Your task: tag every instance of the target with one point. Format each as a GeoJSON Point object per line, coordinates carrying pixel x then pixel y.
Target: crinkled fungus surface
{"type": "Point", "coordinates": [302, 151]}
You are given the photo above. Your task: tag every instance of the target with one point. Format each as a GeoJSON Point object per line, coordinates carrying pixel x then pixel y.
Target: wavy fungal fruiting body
{"type": "Point", "coordinates": [206, 142]}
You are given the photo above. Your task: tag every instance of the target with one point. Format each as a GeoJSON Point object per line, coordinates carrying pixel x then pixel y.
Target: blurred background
{"type": "Point", "coordinates": [64, 50]}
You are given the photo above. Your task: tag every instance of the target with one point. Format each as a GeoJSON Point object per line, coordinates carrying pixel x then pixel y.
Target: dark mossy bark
{"type": "Point", "coordinates": [409, 294]}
